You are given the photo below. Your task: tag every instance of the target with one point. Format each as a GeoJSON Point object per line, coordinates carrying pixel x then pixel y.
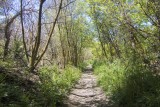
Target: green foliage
{"type": "Point", "coordinates": [15, 58]}
{"type": "Point", "coordinates": [1, 50]}
{"type": "Point", "coordinates": [110, 76]}
{"type": "Point", "coordinates": [13, 96]}
{"type": "Point", "coordinates": [56, 84]}
{"type": "Point", "coordinates": [12, 92]}
{"type": "Point", "coordinates": [50, 91]}
{"type": "Point", "coordinates": [132, 85]}
{"type": "Point", "coordinates": [82, 65]}
{"type": "Point", "coordinates": [141, 86]}
{"type": "Point", "coordinates": [8, 63]}
{"type": "Point", "coordinates": [17, 49]}
{"type": "Point", "coordinates": [127, 30]}
{"type": "Point", "coordinates": [98, 63]}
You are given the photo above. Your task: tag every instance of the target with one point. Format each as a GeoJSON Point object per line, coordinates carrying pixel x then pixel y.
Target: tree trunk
{"type": "Point", "coordinates": [8, 34]}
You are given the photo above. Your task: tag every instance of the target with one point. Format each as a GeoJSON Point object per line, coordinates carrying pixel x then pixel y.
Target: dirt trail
{"type": "Point", "coordinates": [86, 93]}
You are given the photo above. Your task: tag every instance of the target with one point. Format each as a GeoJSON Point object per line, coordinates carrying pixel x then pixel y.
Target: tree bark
{"type": "Point", "coordinates": [8, 34]}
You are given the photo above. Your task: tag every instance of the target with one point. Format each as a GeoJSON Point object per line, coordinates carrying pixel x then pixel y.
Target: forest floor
{"type": "Point", "coordinates": [86, 92]}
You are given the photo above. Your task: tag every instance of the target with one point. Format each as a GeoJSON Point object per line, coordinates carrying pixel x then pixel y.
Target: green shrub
{"type": "Point", "coordinates": [13, 96]}
{"type": "Point", "coordinates": [110, 76]}
{"type": "Point", "coordinates": [7, 63]}
{"type": "Point", "coordinates": [132, 85]}
{"type": "Point", "coordinates": [56, 84]}
{"type": "Point", "coordinates": [141, 87]}
{"type": "Point", "coordinates": [83, 65]}
{"type": "Point", "coordinates": [98, 62]}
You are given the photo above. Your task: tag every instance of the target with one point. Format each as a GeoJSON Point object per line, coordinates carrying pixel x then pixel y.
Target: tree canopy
{"type": "Point", "coordinates": [120, 38]}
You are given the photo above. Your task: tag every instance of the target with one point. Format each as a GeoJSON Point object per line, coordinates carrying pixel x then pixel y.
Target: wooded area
{"type": "Point", "coordinates": [45, 44]}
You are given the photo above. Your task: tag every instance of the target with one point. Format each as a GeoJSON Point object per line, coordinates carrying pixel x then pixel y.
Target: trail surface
{"type": "Point", "coordinates": [86, 93]}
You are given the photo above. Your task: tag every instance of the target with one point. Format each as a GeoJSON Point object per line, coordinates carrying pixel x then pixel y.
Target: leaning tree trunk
{"type": "Point", "coordinates": [8, 34]}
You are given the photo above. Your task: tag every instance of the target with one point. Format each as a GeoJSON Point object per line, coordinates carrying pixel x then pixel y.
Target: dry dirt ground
{"type": "Point", "coordinates": [86, 93]}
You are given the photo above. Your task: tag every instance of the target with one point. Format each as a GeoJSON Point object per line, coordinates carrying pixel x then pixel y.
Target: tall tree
{"type": "Point", "coordinates": [36, 54]}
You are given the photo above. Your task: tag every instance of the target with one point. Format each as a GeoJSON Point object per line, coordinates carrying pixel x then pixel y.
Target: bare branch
{"type": "Point", "coordinates": [68, 4]}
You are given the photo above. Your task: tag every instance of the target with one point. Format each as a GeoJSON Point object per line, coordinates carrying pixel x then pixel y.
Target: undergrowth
{"type": "Point", "coordinates": [50, 91]}
{"type": "Point", "coordinates": [110, 76]}
{"type": "Point", "coordinates": [56, 84]}
{"type": "Point", "coordinates": [129, 85]}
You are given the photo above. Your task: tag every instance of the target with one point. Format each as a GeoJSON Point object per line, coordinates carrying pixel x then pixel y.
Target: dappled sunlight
{"type": "Point", "coordinates": [81, 53]}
